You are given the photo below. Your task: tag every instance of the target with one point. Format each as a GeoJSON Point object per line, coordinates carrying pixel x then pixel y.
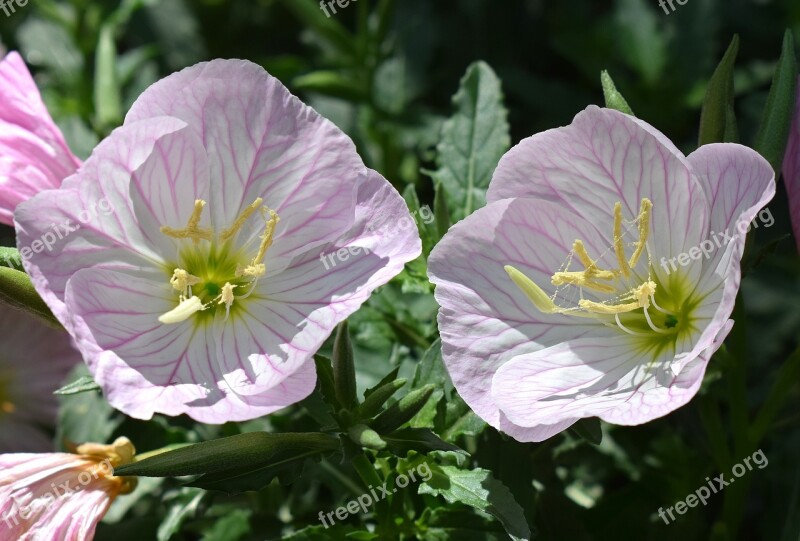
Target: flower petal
{"type": "Point", "coordinates": [35, 156]}
{"type": "Point", "coordinates": [609, 378]}
{"type": "Point", "coordinates": [603, 157]}
{"type": "Point", "coordinates": [262, 142]}
{"type": "Point", "coordinates": [485, 319]}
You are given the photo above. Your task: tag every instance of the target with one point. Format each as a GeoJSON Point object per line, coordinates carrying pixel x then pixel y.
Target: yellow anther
{"type": "Point", "coordinates": [192, 229]}
{"type": "Point", "coordinates": [226, 297]}
{"type": "Point", "coordinates": [600, 308]}
{"type": "Point", "coordinates": [644, 230]}
{"type": "Point", "coordinates": [619, 247]}
{"type": "Point", "coordinates": [181, 281]}
{"type": "Point", "coordinates": [237, 224]}
{"type": "Point", "coordinates": [583, 255]}
{"type": "Point", "coordinates": [256, 268]}
{"type": "Point", "coordinates": [583, 279]}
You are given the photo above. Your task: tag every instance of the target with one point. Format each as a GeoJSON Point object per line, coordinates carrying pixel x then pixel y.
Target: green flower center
{"type": "Point", "coordinates": [210, 272]}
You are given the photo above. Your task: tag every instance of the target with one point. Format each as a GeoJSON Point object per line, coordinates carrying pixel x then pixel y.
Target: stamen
{"type": "Point", "coordinates": [644, 230]}
{"type": "Point", "coordinates": [239, 222]}
{"type": "Point", "coordinates": [619, 247]}
{"type": "Point", "coordinates": [662, 310]}
{"type": "Point", "coordinates": [227, 298]}
{"type": "Point", "coordinates": [186, 309]}
{"type": "Point", "coordinates": [650, 323]}
{"type": "Point", "coordinates": [580, 279]}
{"type": "Point", "coordinates": [626, 329]}
{"type": "Point", "coordinates": [256, 268]}
{"type": "Point", "coordinates": [192, 229]}
{"type": "Point", "coordinates": [600, 308]}
{"type": "Point", "coordinates": [583, 255]}
{"type": "Point", "coordinates": [183, 281]}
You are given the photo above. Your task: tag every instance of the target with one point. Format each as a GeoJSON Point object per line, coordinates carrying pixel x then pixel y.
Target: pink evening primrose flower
{"type": "Point", "coordinates": [599, 279]}
{"type": "Point", "coordinates": [791, 172]}
{"type": "Point", "coordinates": [33, 153]}
{"type": "Point", "coordinates": [61, 496]}
{"type": "Point", "coordinates": [209, 287]}
{"type": "Point", "coordinates": [34, 361]}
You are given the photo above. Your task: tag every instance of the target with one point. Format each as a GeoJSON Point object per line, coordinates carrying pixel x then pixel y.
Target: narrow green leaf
{"type": "Point", "coordinates": [17, 291]}
{"type": "Point", "coordinates": [402, 411]}
{"type": "Point", "coordinates": [331, 83]}
{"type": "Point", "coordinates": [421, 440]}
{"type": "Point", "coordinates": [308, 12]}
{"type": "Point", "coordinates": [10, 258]}
{"type": "Point", "coordinates": [440, 212]}
{"type": "Point", "coordinates": [614, 99]}
{"type": "Point", "coordinates": [717, 119]}
{"type": "Point", "coordinates": [479, 489]}
{"type": "Point", "coordinates": [776, 124]}
{"type": "Point", "coordinates": [80, 385]}
{"type": "Point", "coordinates": [182, 507]}
{"type": "Point", "coordinates": [473, 141]}
{"type": "Point", "coordinates": [107, 99]}
{"type": "Point", "coordinates": [378, 398]}
{"type": "Point", "coordinates": [344, 369]}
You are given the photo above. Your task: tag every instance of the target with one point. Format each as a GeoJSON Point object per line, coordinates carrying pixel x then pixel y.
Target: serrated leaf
{"type": "Point", "coordinates": [183, 506]}
{"type": "Point", "coordinates": [80, 385]}
{"type": "Point", "coordinates": [479, 489]}
{"type": "Point", "coordinates": [473, 141]}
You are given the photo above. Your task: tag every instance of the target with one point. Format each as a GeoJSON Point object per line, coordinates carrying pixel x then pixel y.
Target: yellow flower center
{"type": "Point", "coordinates": [209, 269]}
{"type": "Point", "coordinates": [627, 290]}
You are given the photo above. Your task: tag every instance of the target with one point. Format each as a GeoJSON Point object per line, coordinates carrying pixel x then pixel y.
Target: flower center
{"type": "Point", "coordinates": [211, 272]}
{"type": "Point", "coordinates": [104, 458]}
{"type": "Point", "coordinates": [628, 291]}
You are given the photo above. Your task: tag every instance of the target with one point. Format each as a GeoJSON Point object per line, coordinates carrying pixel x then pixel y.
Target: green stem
{"type": "Point", "coordinates": [372, 480]}
{"type": "Point", "coordinates": [150, 454]}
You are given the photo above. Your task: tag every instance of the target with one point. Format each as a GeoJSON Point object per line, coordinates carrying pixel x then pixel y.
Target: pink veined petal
{"type": "Point", "coordinates": [605, 377]}
{"type": "Point", "coordinates": [262, 141]}
{"type": "Point", "coordinates": [294, 311]}
{"type": "Point", "coordinates": [484, 319]}
{"type": "Point", "coordinates": [791, 172]}
{"type": "Point", "coordinates": [603, 157]}
{"type": "Point", "coordinates": [34, 154]}
{"type": "Point", "coordinates": [91, 220]}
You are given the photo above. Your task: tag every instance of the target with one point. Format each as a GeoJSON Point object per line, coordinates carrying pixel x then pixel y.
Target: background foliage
{"type": "Point", "coordinates": [386, 73]}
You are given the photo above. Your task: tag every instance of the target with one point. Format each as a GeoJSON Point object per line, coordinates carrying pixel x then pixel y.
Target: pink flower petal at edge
{"type": "Point", "coordinates": [34, 362]}
{"type": "Point", "coordinates": [791, 172]}
{"type": "Point", "coordinates": [109, 281]}
{"type": "Point", "coordinates": [30, 508]}
{"type": "Point", "coordinates": [34, 154]}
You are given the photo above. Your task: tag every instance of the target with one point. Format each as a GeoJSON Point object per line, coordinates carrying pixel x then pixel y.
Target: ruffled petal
{"type": "Point", "coordinates": [262, 141]}
{"type": "Point", "coordinates": [603, 157]}
{"type": "Point", "coordinates": [610, 378]}
{"type": "Point", "coordinates": [35, 156]}
{"type": "Point", "coordinates": [485, 320]}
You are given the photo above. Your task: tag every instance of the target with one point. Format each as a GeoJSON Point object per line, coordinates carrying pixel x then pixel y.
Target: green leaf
{"type": "Point", "coordinates": [232, 527]}
{"type": "Point", "coordinates": [326, 381]}
{"type": "Point", "coordinates": [440, 212]}
{"type": "Point", "coordinates": [236, 463]}
{"type": "Point", "coordinates": [80, 385]}
{"type": "Point", "coordinates": [473, 141]}
{"type": "Point", "coordinates": [378, 398]}
{"type": "Point", "coordinates": [85, 417]}
{"type": "Point", "coordinates": [10, 258]}
{"type": "Point", "coordinates": [17, 291]}
{"type": "Point", "coordinates": [430, 370]}
{"type": "Point", "coordinates": [644, 45]}
{"type": "Point", "coordinates": [479, 489]}
{"type": "Point", "coordinates": [344, 369]}
{"type": "Point", "coordinates": [443, 524]}
{"type": "Point", "coordinates": [107, 99]}
{"type": "Point", "coordinates": [402, 411]}
{"type": "Point", "coordinates": [614, 99]}
{"type": "Point", "coordinates": [776, 124]}
{"type": "Point", "coordinates": [718, 119]}
{"type": "Point", "coordinates": [421, 440]}
{"type": "Point", "coordinates": [183, 507]}
{"type": "Point", "coordinates": [589, 429]}
{"type": "Point", "coordinates": [337, 532]}
{"type": "Point", "coordinates": [312, 17]}
{"type": "Point", "coordinates": [331, 83]}
{"type": "Point", "coordinates": [364, 436]}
